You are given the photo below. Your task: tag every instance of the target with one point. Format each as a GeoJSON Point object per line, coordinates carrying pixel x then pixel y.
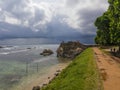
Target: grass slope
{"type": "Point", "coordinates": [81, 74]}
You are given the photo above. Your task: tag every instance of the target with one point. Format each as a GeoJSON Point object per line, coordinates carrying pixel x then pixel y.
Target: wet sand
{"type": "Point", "coordinates": [39, 80]}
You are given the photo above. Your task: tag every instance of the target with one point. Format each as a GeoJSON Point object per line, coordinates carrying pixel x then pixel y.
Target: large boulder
{"type": "Point", "coordinates": [70, 49]}
{"type": "Point", "coordinates": [36, 88]}
{"type": "Point", "coordinates": [46, 52]}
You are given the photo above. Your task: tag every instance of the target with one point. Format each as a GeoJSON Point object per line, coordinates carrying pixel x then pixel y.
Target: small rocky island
{"type": "Point", "coordinates": [1, 47]}
{"type": "Point", "coordinates": [46, 52]}
{"type": "Point", "coordinates": [70, 49]}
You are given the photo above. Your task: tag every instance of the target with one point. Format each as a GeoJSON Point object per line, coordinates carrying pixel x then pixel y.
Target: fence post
{"type": "Point", "coordinates": [27, 67]}
{"type": "Point", "coordinates": [37, 67]}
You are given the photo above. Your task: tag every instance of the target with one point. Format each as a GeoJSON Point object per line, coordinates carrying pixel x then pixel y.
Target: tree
{"type": "Point", "coordinates": [103, 34]}
{"type": "Point", "coordinates": [108, 25]}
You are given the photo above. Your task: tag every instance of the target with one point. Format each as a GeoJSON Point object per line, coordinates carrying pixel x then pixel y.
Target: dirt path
{"type": "Point", "coordinates": [109, 70]}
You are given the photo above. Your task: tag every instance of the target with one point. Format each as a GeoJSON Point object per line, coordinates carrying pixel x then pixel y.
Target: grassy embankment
{"type": "Point", "coordinates": [81, 74]}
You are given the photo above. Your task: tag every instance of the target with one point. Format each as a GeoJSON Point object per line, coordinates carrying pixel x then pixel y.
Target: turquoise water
{"type": "Point", "coordinates": [19, 61]}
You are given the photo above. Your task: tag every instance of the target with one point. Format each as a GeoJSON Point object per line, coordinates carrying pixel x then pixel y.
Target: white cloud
{"type": "Point", "coordinates": [74, 19]}
{"type": "Point", "coordinates": [36, 14]}
{"type": "Point", "coordinates": [11, 20]}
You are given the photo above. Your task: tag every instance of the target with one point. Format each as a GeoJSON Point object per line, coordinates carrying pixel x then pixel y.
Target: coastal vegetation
{"type": "Point", "coordinates": [108, 25]}
{"type": "Point", "coordinates": [81, 74]}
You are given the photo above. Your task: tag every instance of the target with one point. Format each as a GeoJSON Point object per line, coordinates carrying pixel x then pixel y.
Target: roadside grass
{"type": "Point", "coordinates": [81, 74]}
{"type": "Point", "coordinates": [107, 50]}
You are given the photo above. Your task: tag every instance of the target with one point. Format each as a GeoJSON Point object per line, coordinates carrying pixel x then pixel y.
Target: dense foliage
{"type": "Point", "coordinates": [108, 25]}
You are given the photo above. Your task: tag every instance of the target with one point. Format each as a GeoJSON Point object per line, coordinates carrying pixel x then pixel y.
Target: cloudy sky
{"type": "Point", "coordinates": [55, 19]}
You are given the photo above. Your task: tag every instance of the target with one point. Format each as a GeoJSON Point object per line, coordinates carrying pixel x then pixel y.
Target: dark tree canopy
{"type": "Point", "coordinates": [108, 25]}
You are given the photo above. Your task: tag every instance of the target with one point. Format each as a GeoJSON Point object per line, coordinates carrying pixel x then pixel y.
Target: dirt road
{"type": "Point", "coordinates": [109, 70]}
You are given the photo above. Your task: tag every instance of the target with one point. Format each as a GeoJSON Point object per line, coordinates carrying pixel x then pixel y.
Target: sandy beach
{"type": "Point", "coordinates": [39, 80]}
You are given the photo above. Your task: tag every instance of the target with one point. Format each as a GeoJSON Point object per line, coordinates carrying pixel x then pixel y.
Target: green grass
{"type": "Point", "coordinates": [81, 74]}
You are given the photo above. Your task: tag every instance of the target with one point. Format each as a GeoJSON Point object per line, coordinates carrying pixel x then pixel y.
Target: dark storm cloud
{"type": "Point", "coordinates": [50, 18]}
{"type": "Point", "coordinates": [57, 31]}
{"type": "Point", "coordinates": [88, 17]}
{"type": "Point", "coordinates": [15, 7]}
{"type": "Point", "coordinates": [10, 4]}
{"type": "Point", "coordinates": [12, 31]}
{"type": "Point", "coordinates": [39, 15]}
{"type": "Point", "coordinates": [21, 10]}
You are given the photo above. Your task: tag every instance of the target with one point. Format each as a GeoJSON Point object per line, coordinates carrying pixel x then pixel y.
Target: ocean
{"type": "Point", "coordinates": [20, 59]}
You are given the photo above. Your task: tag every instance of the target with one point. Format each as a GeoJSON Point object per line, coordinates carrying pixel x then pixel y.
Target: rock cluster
{"type": "Point", "coordinates": [50, 80]}
{"type": "Point", "coordinates": [70, 49]}
{"type": "Point", "coordinates": [46, 52]}
{"type": "Point", "coordinates": [36, 88]}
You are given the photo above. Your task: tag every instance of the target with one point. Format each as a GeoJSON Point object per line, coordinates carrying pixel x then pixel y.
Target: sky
{"type": "Point", "coordinates": [53, 19]}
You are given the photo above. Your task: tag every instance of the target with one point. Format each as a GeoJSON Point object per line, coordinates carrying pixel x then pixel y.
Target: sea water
{"type": "Point", "coordinates": [22, 60]}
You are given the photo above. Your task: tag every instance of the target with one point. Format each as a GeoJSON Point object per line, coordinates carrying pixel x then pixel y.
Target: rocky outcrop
{"type": "Point", "coordinates": [36, 88]}
{"type": "Point", "coordinates": [70, 49]}
{"type": "Point", "coordinates": [46, 52]}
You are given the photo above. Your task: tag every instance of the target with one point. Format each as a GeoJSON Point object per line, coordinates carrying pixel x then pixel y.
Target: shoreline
{"type": "Point", "coordinates": [42, 79]}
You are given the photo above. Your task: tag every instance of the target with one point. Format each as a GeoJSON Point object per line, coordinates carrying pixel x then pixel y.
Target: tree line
{"type": "Point", "coordinates": [108, 25]}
